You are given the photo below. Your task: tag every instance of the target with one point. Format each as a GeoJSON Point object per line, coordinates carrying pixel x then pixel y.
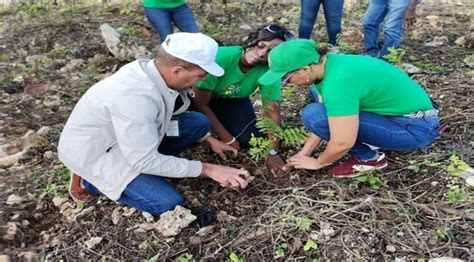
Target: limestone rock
{"type": "Point", "coordinates": [172, 222]}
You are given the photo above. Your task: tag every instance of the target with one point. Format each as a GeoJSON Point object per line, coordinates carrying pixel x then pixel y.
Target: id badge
{"type": "Point", "coordinates": [173, 128]}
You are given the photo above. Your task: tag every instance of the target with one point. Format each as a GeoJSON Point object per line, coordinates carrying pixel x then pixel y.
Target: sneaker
{"type": "Point", "coordinates": [353, 166]}
{"type": "Point", "coordinates": [77, 191]}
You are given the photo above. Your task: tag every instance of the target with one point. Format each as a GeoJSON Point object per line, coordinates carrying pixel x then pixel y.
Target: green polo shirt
{"type": "Point", "coordinates": [236, 84]}
{"type": "Point", "coordinates": [355, 83]}
{"type": "Point", "coordinates": [163, 3]}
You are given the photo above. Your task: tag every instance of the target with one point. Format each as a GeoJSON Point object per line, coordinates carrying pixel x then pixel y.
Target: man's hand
{"type": "Point", "coordinates": [220, 147]}
{"type": "Point", "coordinates": [303, 162]}
{"type": "Point", "coordinates": [227, 176]}
{"type": "Point", "coordinates": [275, 163]}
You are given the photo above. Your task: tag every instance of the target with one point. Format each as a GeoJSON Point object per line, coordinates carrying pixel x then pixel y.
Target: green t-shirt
{"type": "Point", "coordinates": [163, 3]}
{"type": "Point", "coordinates": [355, 83]}
{"type": "Point", "coordinates": [236, 84]}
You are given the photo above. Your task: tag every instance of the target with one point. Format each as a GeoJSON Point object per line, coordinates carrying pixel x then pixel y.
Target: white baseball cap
{"type": "Point", "coordinates": [195, 48]}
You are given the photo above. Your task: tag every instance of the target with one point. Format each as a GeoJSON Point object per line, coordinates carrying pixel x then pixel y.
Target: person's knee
{"type": "Point", "coordinates": [202, 123]}
{"type": "Point", "coordinates": [165, 203]}
{"type": "Point", "coordinates": [171, 201]}
{"type": "Point", "coordinates": [313, 114]}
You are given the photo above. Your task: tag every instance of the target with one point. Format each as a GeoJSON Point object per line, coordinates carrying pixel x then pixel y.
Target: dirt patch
{"type": "Point", "coordinates": [403, 212]}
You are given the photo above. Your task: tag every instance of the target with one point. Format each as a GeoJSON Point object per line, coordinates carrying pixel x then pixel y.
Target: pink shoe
{"type": "Point", "coordinates": [354, 167]}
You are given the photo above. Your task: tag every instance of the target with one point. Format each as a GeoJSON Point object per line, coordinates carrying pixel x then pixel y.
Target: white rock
{"type": "Point", "coordinates": [34, 58]}
{"type": "Point", "coordinates": [4, 258]}
{"type": "Point", "coordinates": [410, 69]}
{"type": "Point", "coordinates": [10, 232]}
{"type": "Point", "coordinates": [148, 217]}
{"type": "Point", "coordinates": [112, 38]}
{"type": "Point", "coordinates": [91, 243]}
{"type": "Point", "coordinates": [390, 248]}
{"type": "Point", "coordinates": [469, 74]}
{"type": "Point", "coordinates": [14, 200]}
{"type": "Point", "coordinates": [83, 213]}
{"type": "Point", "coordinates": [116, 215]}
{"type": "Point", "coordinates": [445, 259]}
{"type": "Point", "coordinates": [461, 41]}
{"type": "Point", "coordinates": [58, 201]}
{"type": "Point", "coordinates": [437, 41]}
{"type": "Point", "coordinates": [327, 231]}
{"type": "Point", "coordinates": [470, 181]}
{"type": "Point", "coordinates": [172, 222]}
{"type": "Point", "coordinates": [245, 27]}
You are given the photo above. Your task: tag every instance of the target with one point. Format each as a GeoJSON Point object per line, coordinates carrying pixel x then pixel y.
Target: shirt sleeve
{"type": "Point", "coordinates": [271, 92]}
{"type": "Point", "coordinates": [134, 121]}
{"type": "Point", "coordinates": [210, 83]}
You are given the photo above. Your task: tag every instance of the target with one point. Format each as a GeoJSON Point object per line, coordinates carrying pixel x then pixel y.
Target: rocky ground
{"type": "Point", "coordinates": [418, 208]}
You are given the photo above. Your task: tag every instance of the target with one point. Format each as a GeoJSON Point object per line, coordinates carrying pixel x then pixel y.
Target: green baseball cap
{"type": "Point", "coordinates": [289, 56]}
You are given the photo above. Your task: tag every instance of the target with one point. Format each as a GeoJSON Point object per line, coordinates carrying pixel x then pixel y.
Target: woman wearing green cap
{"type": "Point", "coordinates": [363, 101]}
{"type": "Point", "coordinates": [225, 100]}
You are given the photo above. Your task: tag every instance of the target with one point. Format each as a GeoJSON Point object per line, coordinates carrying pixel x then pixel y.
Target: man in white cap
{"type": "Point", "coordinates": [125, 133]}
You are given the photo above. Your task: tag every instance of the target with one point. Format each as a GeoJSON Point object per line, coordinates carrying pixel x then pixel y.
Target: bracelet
{"type": "Point", "coordinates": [231, 141]}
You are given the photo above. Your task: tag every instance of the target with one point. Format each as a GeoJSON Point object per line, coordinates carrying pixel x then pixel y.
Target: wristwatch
{"type": "Point", "coordinates": [273, 152]}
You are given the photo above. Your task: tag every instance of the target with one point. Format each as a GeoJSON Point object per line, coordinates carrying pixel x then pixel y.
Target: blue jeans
{"type": "Point", "coordinates": [397, 133]}
{"type": "Point", "coordinates": [237, 116]}
{"type": "Point", "coordinates": [151, 193]}
{"type": "Point", "coordinates": [393, 12]}
{"type": "Point", "coordinates": [332, 15]}
{"type": "Point", "coordinates": [162, 20]}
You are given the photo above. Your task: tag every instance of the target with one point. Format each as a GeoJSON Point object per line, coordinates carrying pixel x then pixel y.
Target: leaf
{"type": "Point", "coordinates": [234, 257]}
{"type": "Point", "coordinates": [310, 244]}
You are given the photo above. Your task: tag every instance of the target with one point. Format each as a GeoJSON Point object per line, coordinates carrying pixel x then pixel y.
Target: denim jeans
{"type": "Point", "coordinates": [162, 20]}
{"type": "Point", "coordinates": [393, 12]}
{"type": "Point", "coordinates": [237, 116]}
{"type": "Point", "coordinates": [152, 193]}
{"type": "Point", "coordinates": [332, 15]}
{"type": "Point", "coordinates": [397, 133]}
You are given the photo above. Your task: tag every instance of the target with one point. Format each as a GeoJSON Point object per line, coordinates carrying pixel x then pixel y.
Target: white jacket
{"type": "Point", "coordinates": [115, 129]}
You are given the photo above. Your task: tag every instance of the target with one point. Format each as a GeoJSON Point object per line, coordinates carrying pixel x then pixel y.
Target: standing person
{"type": "Point", "coordinates": [163, 14]}
{"type": "Point", "coordinates": [225, 99]}
{"type": "Point", "coordinates": [332, 15]}
{"type": "Point", "coordinates": [364, 101]}
{"type": "Point", "coordinates": [393, 12]}
{"type": "Point", "coordinates": [123, 136]}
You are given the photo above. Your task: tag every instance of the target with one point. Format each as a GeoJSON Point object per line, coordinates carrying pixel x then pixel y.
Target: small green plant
{"type": "Point", "coordinates": [127, 11]}
{"type": "Point", "coordinates": [234, 257]}
{"type": "Point", "coordinates": [343, 47]}
{"type": "Point", "coordinates": [58, 52]}
{"type": "Point", "coordinates": [280, 250]}
{"type": "Point", "coordinates": [395, 56]}
{"type": "Point", "coordinates": [456, 194]}
{"type": "Point", "coordinates": [303, 223]}
{"type": "Point", "coordinates": [441, 234]}
{"type": "Point", "coordinates": [371, 180]}
{"type": "Point", "coordinates": [259, 147]}
{"type": "Point", "coordinates": [289, 135]}
{"type": "Point", "coordinates": [185, 257]}
{"type": "Point", "coordinates": [130, 30]}
{"type": "Point", "coordinates": [310, 244]}
{"type": "Point", "coordinates": [327, 193]}
{"type": "Point", "coordinates": [36, 7]}
{"type": "Point", "coordinates": [431, 67]}
{"type": "Point", "coordinates": [53, 190]}
{"type": "Point", "coordinates": [288, 91]}
{"type": "Point", "coordinates": [457, 166]}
